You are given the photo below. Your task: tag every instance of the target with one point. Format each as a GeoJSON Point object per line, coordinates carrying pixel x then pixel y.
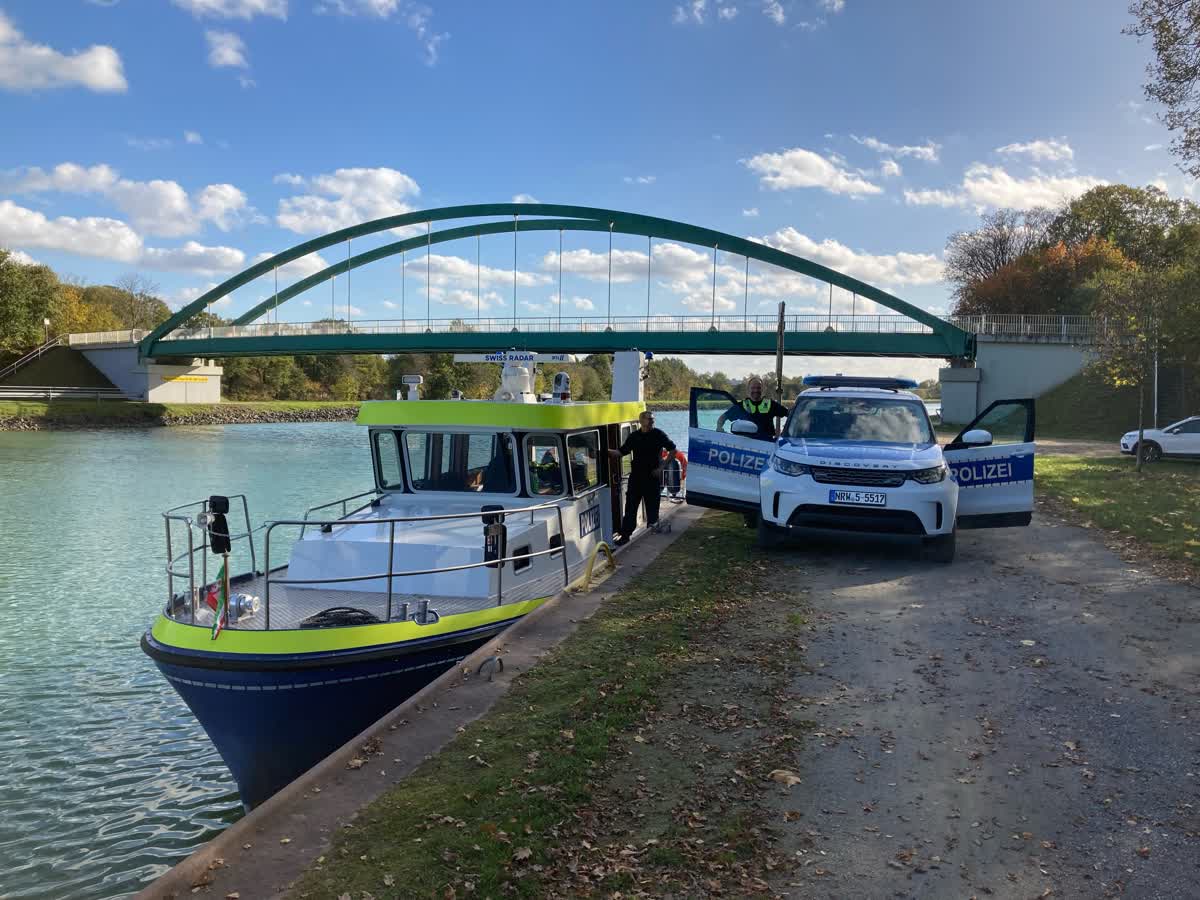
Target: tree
{"type": "Point", "coordinates": [1174, 29]}
{"type": "Point", "coordinates": [1004, 236]}
{"type": "Point", "coordinates": [137, 304]}
{"type": "Point", "coordinates": [25, 296]}
{"type": "Point", "coordinates": [71, 314]}
{"type": "Point", "coordinates": [1145, 224]}
{"type": "Point", "coordinates": [1138, 310]}
{"type": "Point", "coordinates": [1052, 280]}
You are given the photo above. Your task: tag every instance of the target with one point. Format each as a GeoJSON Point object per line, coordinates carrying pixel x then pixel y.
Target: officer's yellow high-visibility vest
{"type": "Point", "coordinates": [763, 406]}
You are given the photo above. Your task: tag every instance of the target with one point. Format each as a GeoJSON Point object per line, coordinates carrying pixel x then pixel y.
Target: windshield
{"type": "Point", "coordinates": [461, 462]}
{"type": "Point", "coordinates": [880, 419]}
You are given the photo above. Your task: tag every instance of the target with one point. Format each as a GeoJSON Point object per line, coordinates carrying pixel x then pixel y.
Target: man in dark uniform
{"type": "Point", "coordinates": [764, 413]}
{"type": "Point", "coordinates": [647, 445]}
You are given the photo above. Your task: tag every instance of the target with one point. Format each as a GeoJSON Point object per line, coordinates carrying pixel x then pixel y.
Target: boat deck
{"type": "Point", "coordinates": [291, 605]}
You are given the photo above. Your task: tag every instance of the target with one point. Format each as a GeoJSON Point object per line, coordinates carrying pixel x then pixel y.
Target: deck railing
{"type": "Point", "coordinates": [198, 543]}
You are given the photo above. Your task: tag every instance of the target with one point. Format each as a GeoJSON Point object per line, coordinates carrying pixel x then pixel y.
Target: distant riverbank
{"type": "Point", "coordinates": [38, 415]}
{"type": "Point", "coordinates": [65, 415]}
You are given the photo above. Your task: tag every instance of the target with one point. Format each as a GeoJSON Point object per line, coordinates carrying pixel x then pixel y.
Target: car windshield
{"type": "Point", "coordinates": [879, 419]}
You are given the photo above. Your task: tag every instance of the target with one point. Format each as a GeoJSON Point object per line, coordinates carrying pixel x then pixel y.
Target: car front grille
{"type": "Point", "coordinates": [863, 477]}
{"type": "Point", "coordinates": [853, 518]}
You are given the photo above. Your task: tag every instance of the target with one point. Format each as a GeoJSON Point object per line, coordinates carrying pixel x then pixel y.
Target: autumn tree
{"type": "Point", "coordinates": [1054, 280]}
{"type": "Point", "coordinates": [1144, 223]}
{"type": "Point", "coordinates": [1141, 312]}
{"type": "Point", "coordinates": [1004, 236]}
{"type": "Point", "coordinates": [1173, 27]}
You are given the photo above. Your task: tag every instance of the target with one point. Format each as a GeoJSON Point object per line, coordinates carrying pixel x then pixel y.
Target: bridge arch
{"type": "Point", "coordinates": [957, 342]}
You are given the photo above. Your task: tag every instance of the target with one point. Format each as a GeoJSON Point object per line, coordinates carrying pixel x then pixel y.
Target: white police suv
{"type": "Point", "coordinates": [858, 457]}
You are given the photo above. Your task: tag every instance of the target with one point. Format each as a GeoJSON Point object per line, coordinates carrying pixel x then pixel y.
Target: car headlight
{"type": "Point", "coordinates": [787, 467]}
{"type": "Point", "coordinates": [929, 476]}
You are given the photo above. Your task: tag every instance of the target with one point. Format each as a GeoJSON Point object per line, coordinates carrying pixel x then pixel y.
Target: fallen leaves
{"type": "Point", "coordinates": [785, 777]}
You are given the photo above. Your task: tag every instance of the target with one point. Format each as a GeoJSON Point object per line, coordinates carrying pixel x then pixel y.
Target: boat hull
{"type": "Point", "coordinates": [273, 719]}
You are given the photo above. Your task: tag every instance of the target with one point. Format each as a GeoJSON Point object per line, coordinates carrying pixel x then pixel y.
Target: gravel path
{"type": "Point", "coordinates": [1065, 447]}
{"type": "Point", "coordinates": [1023, 723]}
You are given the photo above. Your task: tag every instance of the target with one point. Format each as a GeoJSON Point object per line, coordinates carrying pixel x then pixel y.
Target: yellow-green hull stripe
{"type": "Point", "coordinates": [497, 415]}
{"type": "Point", "coordinates": [318, 640]}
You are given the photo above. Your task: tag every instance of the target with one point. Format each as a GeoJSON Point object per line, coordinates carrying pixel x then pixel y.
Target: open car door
{"type": "Point", "coordinates": [723, 466]}
{"type": "Point", "coordinates": [995, 478]}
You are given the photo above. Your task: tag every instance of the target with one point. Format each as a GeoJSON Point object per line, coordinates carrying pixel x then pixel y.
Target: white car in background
{"type": "Point", "coordinates": [858, 458]}
{"type": "Point", "coordinates": [1181, 440]}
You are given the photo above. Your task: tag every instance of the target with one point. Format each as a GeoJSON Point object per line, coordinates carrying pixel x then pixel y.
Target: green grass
{"type": "Point", "coordinates": [121, 412]}
{"type": "Point", "coordinates": [1160, 509]}
{"type": "Point", "coordinates": [514, 781]}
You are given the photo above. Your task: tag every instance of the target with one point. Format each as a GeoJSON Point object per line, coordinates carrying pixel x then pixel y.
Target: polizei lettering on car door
{"type": "Point", "coordinates": [731, 459]}
{"type": "Point", "coordinates": [993, 471]}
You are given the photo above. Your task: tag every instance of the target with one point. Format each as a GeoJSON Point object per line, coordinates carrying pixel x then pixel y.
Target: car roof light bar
{"type": "Point", "coordinates": [858, 381]}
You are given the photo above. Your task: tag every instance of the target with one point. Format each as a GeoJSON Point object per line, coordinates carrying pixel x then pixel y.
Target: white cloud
{"type": "Point", "coordinates": [194, 257]}
{"type": "Point", "coordinates": [640, 179]}
{"type": "Point", "coordinates": [992, 186]}
{"type": "Point", "coordinates": [415, 16]}
{"type": "Point", "coordinates": [26, 66]}
{"type": "Point", "coordinates": [890, 269]}
{"type": "Point", "coordinates": [1150, 148]}
{"type": "Point", "coordinates": [1052, 150]}
{"type": "Point", "coordinates": [583, 304]}
{"type": "Point", "coordinates": [927, 151]}
{"type": "Point", "coordinates": [192, 137]}
{"type": "Point", "coordinates": [345, 197]}
{"type": "Point", "coordinates": [388, 304]}
{"type": "Point", "coordinates": [148, 143]}
{"type": "Point", "coordinates": [445, 271]}
{"type": "Point", "coordinates": [833, 6]}
{"type": "Point", "coordinates": [799, 168]}
{"type": "Point", "coordinates": [525, 198]}
{"type": "Point", "coordinates": [728, 13]}
{"type": "Point", "coordinates": [934, 198]}
{"type": "Point", "coordinates": [692, 12]}
{"type": "Point", "coordinates": [154, 207]}
{"type": "Point", "coordinates": [234, 9]}
{"type": "Point", "coordinates": [109, 239]}
{"type": "Point", "coordinates": [297, 268]}
{"type": "Point", "coordinates": [290, 179]}
{"type": "Point", "coordinates": [91, 236]}
{"type": "Point", "coordinates": [889, 168]}
{"type": "Point", "coordinates": [751, 213]}
{"type": "Point", "coordinates": [773, 10]}
{"type": "Point", "coordinates": [226, 50]}
{"type": "Point", "coordinates": [21, 258]}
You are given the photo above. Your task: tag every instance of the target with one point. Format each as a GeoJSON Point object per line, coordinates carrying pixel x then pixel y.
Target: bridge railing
{"type": "Point", "coordinates": [1064, 329]}
{"type": "Point", "coordinates": [131, 336]}
{"type": "Point", "coordinates": [803, 322]}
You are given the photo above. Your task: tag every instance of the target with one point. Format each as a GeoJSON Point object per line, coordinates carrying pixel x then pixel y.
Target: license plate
{"type": "Point", "coordinates": [858, 498]}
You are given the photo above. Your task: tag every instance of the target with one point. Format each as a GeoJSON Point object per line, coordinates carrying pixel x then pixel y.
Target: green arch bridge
{"type": "Point", "coordinates": [905, 331]}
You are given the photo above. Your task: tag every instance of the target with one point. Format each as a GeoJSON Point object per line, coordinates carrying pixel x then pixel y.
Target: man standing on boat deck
{"type": "Point", "coordinates": [763, 412]}
{"type": "Point", "coordinates": [647, 445]}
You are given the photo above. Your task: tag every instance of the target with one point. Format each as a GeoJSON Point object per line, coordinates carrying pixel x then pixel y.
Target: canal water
{"type": "Point", "coordinates": [106, 779]}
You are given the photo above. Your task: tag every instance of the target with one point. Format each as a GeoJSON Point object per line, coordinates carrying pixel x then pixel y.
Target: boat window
{"type": "Point", "coordinates": [481, 462]}
{"type": "Point", "coordinates": [583, 453]}
{"type": "Point", "coordinates": [543, 457]}
{"type": "Point", "coordinates": [387, 451]}
{"type": "Point", "coordinates": [627, 459]}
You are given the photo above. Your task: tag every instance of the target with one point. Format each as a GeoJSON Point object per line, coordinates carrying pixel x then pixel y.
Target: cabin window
{"type": "Point", "coordinates": [480, 462]}
{"type": "Point", "coordinates": [387, 453]}
{"type": "Point", "coordinates": [627, 460]}
{"type": "Point", "coordinates": [543, 461]}
{"type": "Point", "coordinates": [583, 455]}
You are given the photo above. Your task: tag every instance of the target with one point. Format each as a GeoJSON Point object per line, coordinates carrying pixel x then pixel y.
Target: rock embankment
{"type": "Point", "coordinates": [151, 415]}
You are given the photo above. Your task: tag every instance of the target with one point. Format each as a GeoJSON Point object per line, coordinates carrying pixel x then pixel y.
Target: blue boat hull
{"type": "Point", "coordinates": [271, 724]}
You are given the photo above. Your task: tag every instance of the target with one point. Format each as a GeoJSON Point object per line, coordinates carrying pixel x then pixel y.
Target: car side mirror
{"type": "Point", "coordinates": [977, 437]}
{"type": "Point", "coordinates": [744, 426]}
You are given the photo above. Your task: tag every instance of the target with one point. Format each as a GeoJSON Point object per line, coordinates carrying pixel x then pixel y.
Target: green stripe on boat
{"type": "Point", "coordinates": [488, 413]}
{"type": "Point", "coordinates": [318, 640]}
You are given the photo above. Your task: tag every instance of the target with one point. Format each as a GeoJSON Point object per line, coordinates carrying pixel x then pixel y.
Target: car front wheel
{"type": "Point", "coordinates": [769, 536]}
{"type": "Point", "coordinates": [1151, 452]}
{"type": "Point", "coordinates": [941, 548]}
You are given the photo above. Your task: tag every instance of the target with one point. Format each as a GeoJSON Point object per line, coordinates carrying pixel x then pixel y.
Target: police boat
{"type": "Point", "coordinates": [288, 639]}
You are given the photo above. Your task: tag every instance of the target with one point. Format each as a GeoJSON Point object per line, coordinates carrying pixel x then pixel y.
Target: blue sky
{"type": "Point", "coordinates": [181, 139]}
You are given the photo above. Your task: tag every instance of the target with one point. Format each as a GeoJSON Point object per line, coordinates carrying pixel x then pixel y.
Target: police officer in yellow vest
{"type": "Point", "coordinates": [763, 412]}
